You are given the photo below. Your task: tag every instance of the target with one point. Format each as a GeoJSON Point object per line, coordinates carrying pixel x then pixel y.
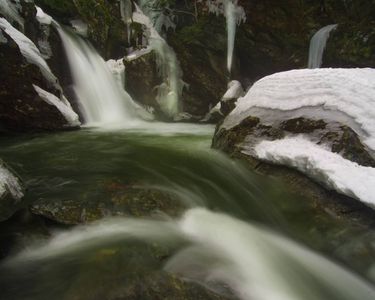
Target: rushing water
{"type": "Point", "coordinates": [170, 205]}
{"type": "Point", "coordinates": [102, 101]}
{"type": "Point", "coordinates": [317, 46]}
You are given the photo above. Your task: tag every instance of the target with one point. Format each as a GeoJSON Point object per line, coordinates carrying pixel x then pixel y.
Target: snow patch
{"type": "Point", "coordinates": [234, 91]}
{"type": "Point", "coordinates": [29, 51]}
{"type": "Point", "coordinates": [348, 91]}
{"type": "Point", "coordinates": [10, 11]}
{"type": "Point", "coordinates": [42, 17]}
{"type": "Point", "coordinates": [62, 105]}
{"type": "Point", "coordinates": [9, 183]}
{"type": "Point", "coordinates": [330, 169]}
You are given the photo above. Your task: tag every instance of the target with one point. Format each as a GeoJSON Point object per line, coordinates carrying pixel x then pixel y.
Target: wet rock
{"type": "Point", "coordinates": [117, 200]}
{"type": "Point", "coordinates": [142, 78]}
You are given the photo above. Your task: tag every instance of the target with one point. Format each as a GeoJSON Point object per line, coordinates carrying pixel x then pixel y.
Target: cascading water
{"type": "Point", "coordinates": [217, 250]}
{"type": "Point", "coordinates": [234, 15]}
{"type": "Point", "coordinates": [318, 45]}
{"type": "Point", "coordinates": [170, 91]}
{"type": "Point", "coordinates": [100, 97]}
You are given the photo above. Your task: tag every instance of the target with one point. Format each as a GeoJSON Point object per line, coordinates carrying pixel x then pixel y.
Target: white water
{"type": "Point", "coordinates": [217, 250]}
{"type": "Point", "coordinates": [101, 99]}
{"type": "Point", "coordinates": [126, 15]}
{"type": "Point", "coordinates": [170, 91]}
{"type": "Point", "coordinates": [234, 15]}
{"type": "Point", "coordinates": [317, 46]}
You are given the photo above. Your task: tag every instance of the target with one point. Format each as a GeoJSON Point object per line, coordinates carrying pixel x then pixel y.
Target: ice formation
{"type": "Point", "coordinates": [9, 183]}
{"type": "Point", "coordinates": [62, 105]}
{"type": "Point", "coordinates": [234, 15]}
{"type": "Point", "coordinates": [169, 92]}
{"type": "Point", "coordinates": [317, 46]}
{"type": "Point", "coordinates": [330, 169]}
{"type": "Point", "coordinates": [126, 11]}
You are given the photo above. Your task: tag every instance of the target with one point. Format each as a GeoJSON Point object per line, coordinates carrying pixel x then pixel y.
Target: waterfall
{"type": "Point", "coordinates": [234, 15]}
{"type": "Point", "coordinates": [101, 99]}
{"type": "Point", "coordinates": [217, 250]}
{"type": "Point", "coordinates": [317, 46]}
{"type": "Point", "coordinates": [170, 91]}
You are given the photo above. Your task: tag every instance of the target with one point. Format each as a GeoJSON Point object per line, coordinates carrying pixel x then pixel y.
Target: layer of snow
{"type": "Point", "coordinates": [29, 51]}
{"type": "Point", "coordinates": [318, 45]}
{"type": "Point", "coordinates": [321, 164]}
{"type": "Point", "coordinates": [42, 17]}
{"type": "Point", "coordinates": [10, 10]}
{"type": "Point", "coordinates": [138, 53]}
{"type": "Point", "coordinates": [348, 91]}
{"type": "Point", "coordinates": [9, 183]}
{"type": "Point", "coordinates": [62, 105]}
{"type": "Point", "coordinates": [234, 91]}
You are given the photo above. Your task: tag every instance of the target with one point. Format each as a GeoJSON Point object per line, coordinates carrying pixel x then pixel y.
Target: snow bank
{"type": "Point", "coordinates": [347, 91]}
{"type": "Point", "coordinates": [9, 183]}
{"type": "Point", "coordinates": [62, 105]}
{"type": "Point", "coordinates": [328, 168]}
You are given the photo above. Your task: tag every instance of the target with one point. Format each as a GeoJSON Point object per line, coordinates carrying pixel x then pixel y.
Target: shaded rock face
{"type": "Point", "coordinates": [142, 78]}
{"type": "Point", "coordinates": [21, 109]}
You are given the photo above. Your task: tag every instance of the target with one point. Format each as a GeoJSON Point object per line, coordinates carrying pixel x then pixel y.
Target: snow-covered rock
{"type": "Point", "coordinates": [11, 192]}
{"type": "Point", "coordinates": [320, 122]}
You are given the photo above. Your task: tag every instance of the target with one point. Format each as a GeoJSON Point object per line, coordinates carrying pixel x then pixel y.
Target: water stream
{"type": "Point", "coordinates": [317, 46]}
{"type": "Point", "coordinates": [171, 205]}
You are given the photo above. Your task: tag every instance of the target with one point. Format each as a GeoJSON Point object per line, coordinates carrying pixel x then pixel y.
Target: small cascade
{"type": "Point", "coordinates": [317, 45]}
{"type": "Point", "coordinates": [126, 15]}
{"type": "Point", "coordinates": [102, 100]}
{"type": "Point", "coordinates": [234, 15]}
{"type": "Point", "coordinates": [170, 91]}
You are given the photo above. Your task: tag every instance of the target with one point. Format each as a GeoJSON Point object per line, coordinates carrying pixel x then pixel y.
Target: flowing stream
{"type": "Point", "coordinates": [168, 204]}
{"type": "Point", "coordinates": [317, 46]}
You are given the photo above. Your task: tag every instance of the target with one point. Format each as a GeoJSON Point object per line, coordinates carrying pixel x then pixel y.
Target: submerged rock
{"type": "Point", "coordinates": [120, 200]}
{"type": "Point", "coordinates": [288, 109]}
